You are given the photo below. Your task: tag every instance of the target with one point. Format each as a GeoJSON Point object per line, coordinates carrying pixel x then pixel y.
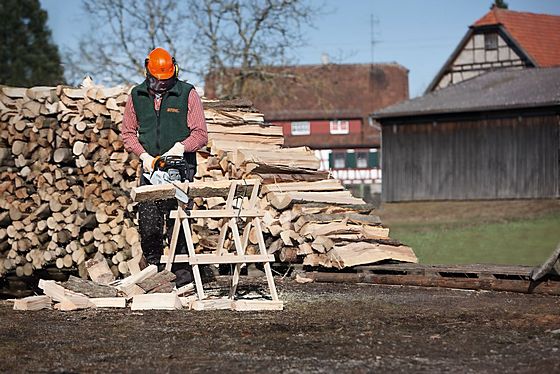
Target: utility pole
{"type": "Point", "coordinates": [373, 21]}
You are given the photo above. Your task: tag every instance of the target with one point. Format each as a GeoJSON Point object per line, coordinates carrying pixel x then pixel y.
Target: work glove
{"type": "Point", "coordinates": [177, 150]}
{"type": "Point", "coordinates": [147, 162]}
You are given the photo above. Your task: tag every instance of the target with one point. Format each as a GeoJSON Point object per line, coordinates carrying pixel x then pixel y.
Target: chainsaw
{"type": "Point", "coordinates": [169, 169]}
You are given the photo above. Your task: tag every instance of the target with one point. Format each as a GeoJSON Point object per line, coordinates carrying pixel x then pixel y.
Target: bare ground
{"type": "Point", "coordinates": [324, 328]}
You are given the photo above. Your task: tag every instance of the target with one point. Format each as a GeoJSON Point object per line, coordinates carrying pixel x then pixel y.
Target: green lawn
{"type": "Point", "coordinates": [517, 242]}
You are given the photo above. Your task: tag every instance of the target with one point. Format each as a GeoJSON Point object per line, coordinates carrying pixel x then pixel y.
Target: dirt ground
{"type": "Point", "coordinates": [323, 328]}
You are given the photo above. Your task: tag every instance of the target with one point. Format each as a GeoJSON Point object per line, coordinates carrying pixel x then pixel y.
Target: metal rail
{"type": "Point", "coordinates": [473, 277]}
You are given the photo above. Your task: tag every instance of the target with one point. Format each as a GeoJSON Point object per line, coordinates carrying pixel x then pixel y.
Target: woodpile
{"type": "Point", "coordinates": [66, 183]}
{"type": "Point", "coordinates": [315, 223]}
{"type": "Point", "coordinates": [65, 179]}
{"type": "Point", "coordinates": [77, 293]}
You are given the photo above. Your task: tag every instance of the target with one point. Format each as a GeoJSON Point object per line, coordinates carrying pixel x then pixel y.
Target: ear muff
{"type": "Point", "coordinates": [146, 67]}
{"type": "Point", "coordinates": [176, 67]}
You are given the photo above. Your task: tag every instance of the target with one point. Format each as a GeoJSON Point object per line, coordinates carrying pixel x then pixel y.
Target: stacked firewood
{"type": "Point", "coordinates": [65, 184]}
{"type": "Point", "coordinates": [317, 223]}
{"type": "Point", "coordinates": [65, 179]}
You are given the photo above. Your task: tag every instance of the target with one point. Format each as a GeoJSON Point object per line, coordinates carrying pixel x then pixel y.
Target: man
{"type": "Point", "coordinates": [163, 116]}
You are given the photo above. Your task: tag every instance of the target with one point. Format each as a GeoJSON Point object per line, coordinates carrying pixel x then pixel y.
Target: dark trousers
{"type": "Point", "coordinates": [155, 227]}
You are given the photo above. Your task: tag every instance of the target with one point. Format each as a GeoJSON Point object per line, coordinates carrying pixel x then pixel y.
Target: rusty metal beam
{"type": "Point", "coordinates": [522, 286]}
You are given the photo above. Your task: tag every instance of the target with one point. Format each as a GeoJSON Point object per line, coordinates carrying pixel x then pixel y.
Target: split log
{"type": "Point", "coordinates": [89, 288]}
{"type": "Point", "coordinates": [70, 300]}
{"type": "Point", "coordinates": [318, 229]}
{"type": "Point", "coordinates": [98, 269]}
{"type": "Point", "coordinates": [282, 201]}
{"type": "Point", "coordinates": [161, 301]}
{"type": "Point", "coordinates": [301, 157]}
{"type": "Point", "coordinates": [162, 278]}
{"type": "Point", "coordinates": [137, 278]}
{"type": "Point", "coordinates": [322, 217]}
{"type": "Point", "coordinates": [364, 253]}
{"type": "Point", "coordinates": [323, 185]}
{"type": "Point", "coordinates": [109, 302]}
{"type": "Point", "coordinates": [322, 244]}
{"type": "Point", "coordinates": [33, 303]}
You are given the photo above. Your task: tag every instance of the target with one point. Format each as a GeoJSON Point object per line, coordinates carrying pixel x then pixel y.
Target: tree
{"type": "Point", "coordinates": [501, 4]}
{"type": "Point", "coordinates": [249, 35]}
{"type": "Point", "coordinates": [123, 33]}
{"type": "Point", "coordinates": [28, 56]}
{"type": "Point", "coordinates": [203, 35]}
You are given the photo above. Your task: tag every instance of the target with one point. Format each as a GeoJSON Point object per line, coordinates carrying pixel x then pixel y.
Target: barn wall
{"type": "Point", "coordinates": [499, 158]}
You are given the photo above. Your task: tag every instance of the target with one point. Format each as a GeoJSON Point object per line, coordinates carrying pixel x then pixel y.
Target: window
{"type": "Point", "coordinates": [339, 127]}
{"type": "Point", "coordinates": [339, 160]}
{"type": "Point", "coordinates": [374, 159]}
{"type": "Point", "coordinates": [362, 160]}
{"type": "Point", "coordinates": [301, 128]}
{"type": "Point", "coordinates": [490, 41]}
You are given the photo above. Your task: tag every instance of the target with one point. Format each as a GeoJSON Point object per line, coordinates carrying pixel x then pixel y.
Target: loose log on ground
{"type": "Point", "coordinates": [99, 270]}
{"type": "Point", "coordinates": [33, 303]}
{"type": "Point", "coordinates": [89, 288]}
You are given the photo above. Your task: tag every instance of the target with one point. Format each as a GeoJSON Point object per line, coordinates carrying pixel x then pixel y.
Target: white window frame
{"type": "Point", "coordinates": [358, 159]}
{"type": "Point", "coordinates": [340, 161]}
{"type": "Point", "coordinates": [339, 127]}
{"type": "Point", "coordinates": [300, 128]}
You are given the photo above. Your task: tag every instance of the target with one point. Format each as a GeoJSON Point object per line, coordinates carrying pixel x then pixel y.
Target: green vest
{"type": "Point", "coordinates": [158, 132]}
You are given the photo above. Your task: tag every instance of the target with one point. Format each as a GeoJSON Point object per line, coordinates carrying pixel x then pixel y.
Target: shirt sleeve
{"type": "Point", "coordinates": [197, 124]}
{"type": "Point", "coordinates": [129, 130]}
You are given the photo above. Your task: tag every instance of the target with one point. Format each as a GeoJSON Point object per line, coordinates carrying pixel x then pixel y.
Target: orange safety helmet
{"type": "Point", "coordinates": [161, 65]}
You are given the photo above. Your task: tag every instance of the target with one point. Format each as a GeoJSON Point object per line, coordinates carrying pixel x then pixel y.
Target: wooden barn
{"type": "Point", "coordinates": [495, 136]}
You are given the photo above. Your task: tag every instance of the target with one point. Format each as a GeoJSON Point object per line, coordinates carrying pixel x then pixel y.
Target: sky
{"type": "Point", "coordinates": [417, 34]}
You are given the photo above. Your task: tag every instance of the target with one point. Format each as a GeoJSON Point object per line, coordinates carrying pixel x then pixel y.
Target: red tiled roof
{"type": "Point", "coordinates": [331, 91]}
{"type": "Point", "coordinates": [537, 34]}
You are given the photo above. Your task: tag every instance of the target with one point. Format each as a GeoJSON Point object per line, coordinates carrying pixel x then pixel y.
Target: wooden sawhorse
{"type": "Point", "coordinates": [220, 256]}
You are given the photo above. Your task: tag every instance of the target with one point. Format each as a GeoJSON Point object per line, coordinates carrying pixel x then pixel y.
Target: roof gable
{"type": "Point", "coordinates": [537, 34]}
{"type": "Point", "coordinates": [534, 38]}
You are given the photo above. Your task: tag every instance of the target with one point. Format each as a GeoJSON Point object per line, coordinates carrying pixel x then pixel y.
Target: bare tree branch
{"type": "Point", "coordinates": [250, 35]}
{"type": "Point", "coordinates": [203, 35]}
{"type": "Point", "coordinates": [123, 32]}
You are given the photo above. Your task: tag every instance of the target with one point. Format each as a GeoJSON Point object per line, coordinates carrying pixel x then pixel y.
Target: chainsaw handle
{"type": "Point", "coordinates": [159, 162]}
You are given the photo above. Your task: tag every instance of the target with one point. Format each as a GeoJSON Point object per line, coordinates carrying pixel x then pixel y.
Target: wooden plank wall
{"type": "Point", "coordinates": [516, 157]}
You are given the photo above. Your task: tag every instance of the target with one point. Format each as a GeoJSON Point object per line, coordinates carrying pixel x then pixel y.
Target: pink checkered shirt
{"type": "Point", "coordinates": [195, 120]}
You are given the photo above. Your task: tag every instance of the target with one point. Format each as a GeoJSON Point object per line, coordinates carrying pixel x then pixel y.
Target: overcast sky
{"type": "Point", "coordinates": [418, 34]}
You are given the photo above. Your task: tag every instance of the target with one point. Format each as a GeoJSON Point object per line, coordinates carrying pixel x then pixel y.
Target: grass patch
{"type": "Point", "coordinates": [519, 242]}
